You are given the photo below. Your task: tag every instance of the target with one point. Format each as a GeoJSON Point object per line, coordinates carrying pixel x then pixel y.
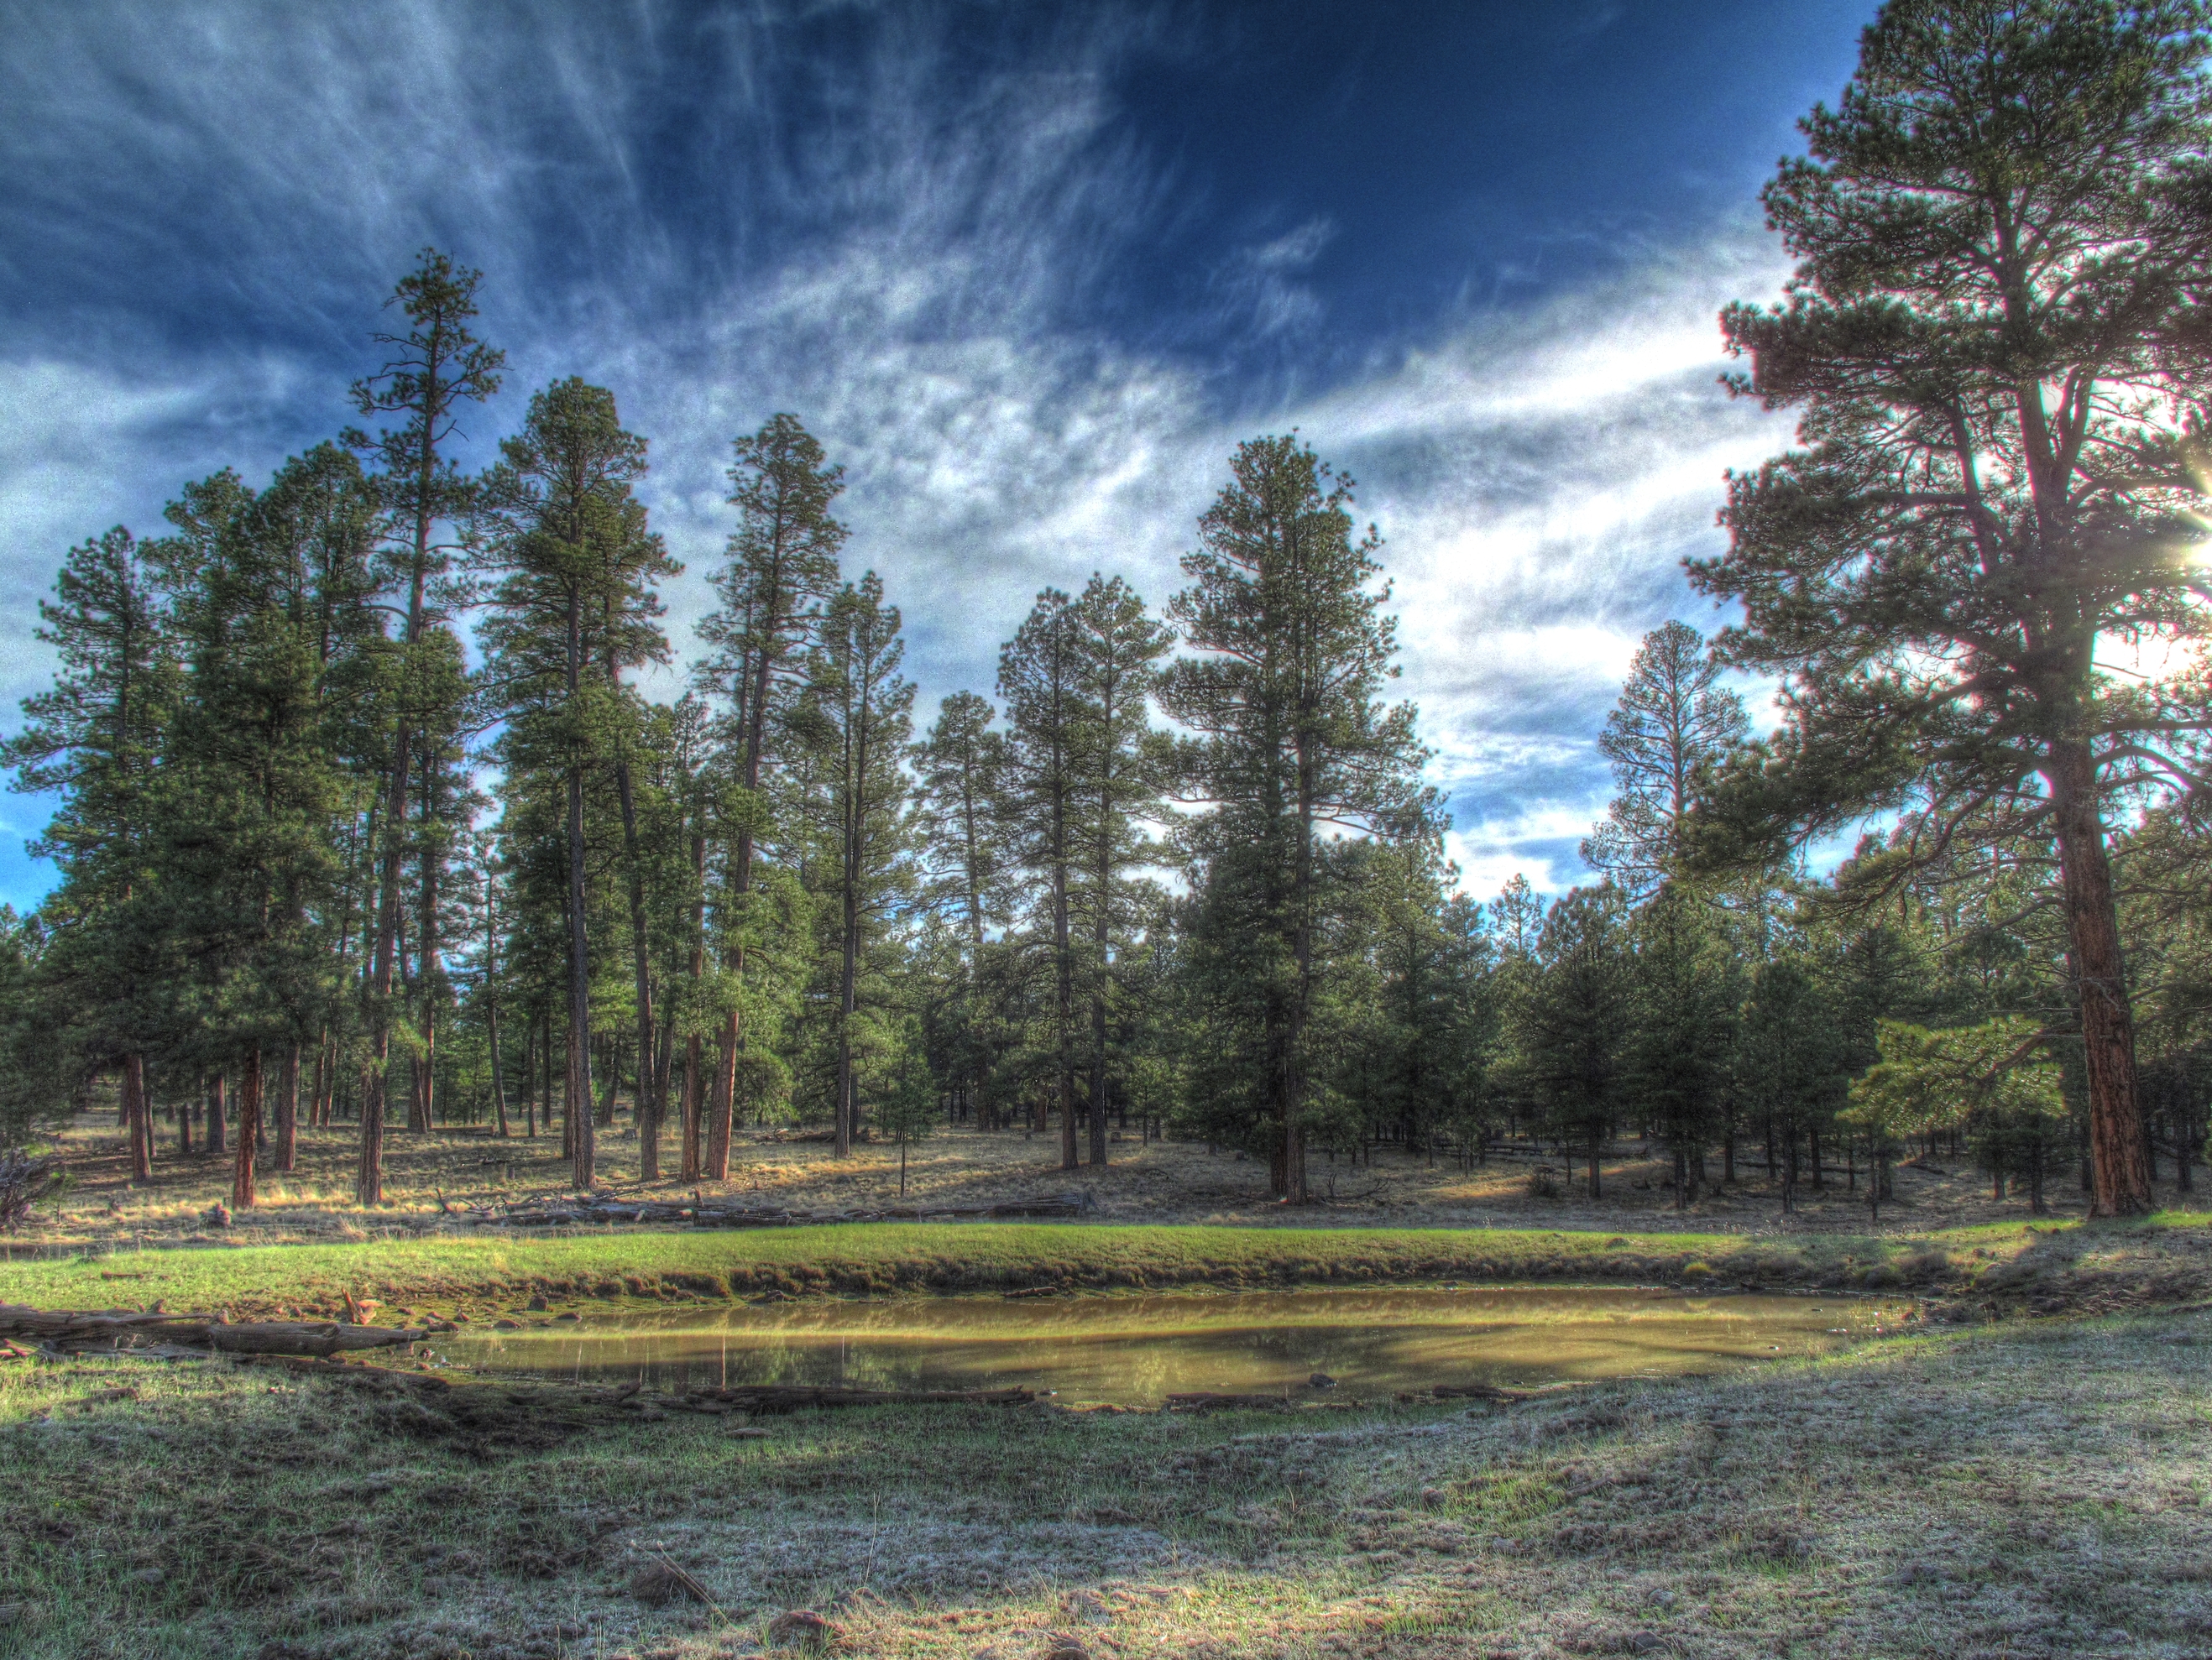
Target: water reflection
{"type": "Point", "coordinates": [1135, 1350]}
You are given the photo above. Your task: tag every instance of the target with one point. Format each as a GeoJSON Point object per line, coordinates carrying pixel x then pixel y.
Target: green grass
{"type": "Point", "coordinates": [2035, 1487]}
{"type": "Point", "coordinates": [887, 1258]}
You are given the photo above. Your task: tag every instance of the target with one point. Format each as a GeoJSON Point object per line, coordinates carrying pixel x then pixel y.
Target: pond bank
{"type": "Point", "coordinates": [1974, 1271]}
{"type": "Point", "coordinates": [2018, 1489]}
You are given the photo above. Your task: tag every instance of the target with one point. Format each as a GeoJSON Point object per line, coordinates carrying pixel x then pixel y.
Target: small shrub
{"type": "Point", "coordinates": [1924, 1265]}
{"type": "Point", "coordinates": [26, 1177]}
{"type": "Point", "coordinates": [1542, 1183]}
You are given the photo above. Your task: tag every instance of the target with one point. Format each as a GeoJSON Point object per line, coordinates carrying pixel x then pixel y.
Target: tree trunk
{"type": "Point", "coordinates": [218, 1119]}
{"type": "Point", "coordinates": [184, 1122]}
{"type": "Point", "coordinates": [722, 1111]}
{"type": "Point", "coordinates": [1102, 931]}
{"type": "Point", "coordinates": [140, 1110]}
{"type": "Point", "coordinates": [498, 1070]}
{"type": "Point", "coordinates": [848, 1001]}
{"type": "Point", "coordinates": [1098, 1067]}
{"type": "Point", "coordinates": [369, 1175]}
{"type": "Point", "coordinates": [2120, 1171]}
{"type": "Point", "coordinates": [421, 1106]}
{"type": "Point", "coordinates": [689, 1169]}
{"type": "Point", "coordinates": [694, 1076]}
{"type": "Point", "coordinates": [584, 1172]}
{"type": "Point", "coordinates": [530, 1048]}
{"type": "Point", "coordinates": [545, 1070]}
{"type": "Point", "coordinates": [249, 1129]}
{"type": "Point", "coordinates": [1063, 1004]}
{"type": "Point", "coordinates": [614, 1085]}
{"type": "Point", "coordinates": [648, 1102]}
{"type": "Point", "coordinates": [570, 1108]}
{"type": "Point", "coordinates": [288, 1111]}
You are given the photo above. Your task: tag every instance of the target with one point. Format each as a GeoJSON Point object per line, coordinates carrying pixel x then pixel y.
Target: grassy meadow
{"type": "Point", "coordinates": [1977, 1484]}
{"type": "Point", "coordinates": [2015, 1489]}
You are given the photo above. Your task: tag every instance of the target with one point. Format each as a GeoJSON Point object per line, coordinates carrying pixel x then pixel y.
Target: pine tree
{"type": "Point", "coordinates": [1674, 725]}
{"type": "Point", "coordinates": [1572, 1017]}
{"type": "Point", "coordinates": [1039, 675]}
{"type": "Point", "coordinates": [1520, 915]}
{"type": "Point", "coordinates": [577, 607]}
{"type": "Point", "coordinates": [95, 737]}
{"type": "Point", "coordinates": [437, 366]}
{"type": "Point", "coordinates": [1283, 697]}
{"type": "Point", "coordinates": [1687, 989]}
{"type": "Point", "coordinates": [857, 716]}
{"type": "Point", "coordinates": [1123, 766]}
{"type": "Point", "coordinates": [1418, 1061]}
{"type": "Point", "coordinates": [962, 764]}
{"type": "Point", "coordinates": [1791, 1061]}
{"type": "Point", "coordinates": [2001, 235]}
{"type": "Point", "coordinates": [783, 568]}
{"type": "Point", "coordinates": [317, 522]}
{"type": "Point", "coordinates": [962, 772]}
{"type": "Point", "coordinates": [251, 789]}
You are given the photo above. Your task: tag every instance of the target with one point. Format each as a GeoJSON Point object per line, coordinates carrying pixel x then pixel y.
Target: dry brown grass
{"type": "Point", "coordinates": [1159, 1182]}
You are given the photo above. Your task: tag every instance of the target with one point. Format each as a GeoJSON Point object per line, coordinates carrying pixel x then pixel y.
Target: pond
{"type": "Point", "coordinates": [1135, 1350]}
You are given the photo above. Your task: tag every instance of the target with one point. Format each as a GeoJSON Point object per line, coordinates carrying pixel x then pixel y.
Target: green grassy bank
{"type": "Point", "coordinates": [2168, 1259]}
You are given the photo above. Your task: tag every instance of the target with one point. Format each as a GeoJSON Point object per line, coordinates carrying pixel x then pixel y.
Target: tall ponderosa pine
{"type": "Point", "coordinates": [857, 717]}
{"type": "Point", "coordinates": [1674, 726]}
{"type": "Point", "coordinates": [961, 768]}
{"type": "Point", "coordinates": [577, 607]}
{"type": "Point", "coordinates": [319, 523]}
{"type": "Point", "coordinates": [251, 789]}
{"type": "Point", "coordinates": [437, 366]}
{"type": "Point", "coordinates": [1994, 334]}
{"type": "Point", "coordinates": [783, 568]}
{"type": "Point", "coordinates": [96, 736]}
{"type": "Point", "coordinates": [1040, 672]}
{"type": "Point", "coordinates": [1124, 766]}
{"type": "Point", "coordinates": [1285, 698]}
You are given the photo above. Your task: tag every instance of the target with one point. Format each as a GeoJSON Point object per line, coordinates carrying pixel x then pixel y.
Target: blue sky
{"type": "Point", "coordinates": [1030, 272]}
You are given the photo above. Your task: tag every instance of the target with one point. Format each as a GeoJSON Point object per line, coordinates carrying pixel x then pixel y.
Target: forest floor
{"type": "Point", "coordinates": [1144, 1182]}
{"type": "Point", "coordinates": [2019, 1488]}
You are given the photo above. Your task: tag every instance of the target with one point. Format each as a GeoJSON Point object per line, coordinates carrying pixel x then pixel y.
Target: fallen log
{"type": "Point", "coordinates": [792, 1397]}
{"type": "Point", "coordinates": [77, 1330]}
{"type": "Point", "coordinates": [1207, 1401]}
{"type": "Point", "coordinates": [1475, 1392]}
{"type": "Point", "coordinates": [594, 1210]}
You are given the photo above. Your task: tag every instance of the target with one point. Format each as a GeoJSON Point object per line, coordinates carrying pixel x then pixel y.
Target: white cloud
{"type": "Point", "coordinates": [909, 286]}
{"type": "Point", "coordinates": [1538, 480]}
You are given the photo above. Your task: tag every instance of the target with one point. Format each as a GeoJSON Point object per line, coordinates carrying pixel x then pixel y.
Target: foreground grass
{"type": "Point", "coordinates": [2022, 1489]}
{"type": "Point", "coordinates": [2049, 1267]}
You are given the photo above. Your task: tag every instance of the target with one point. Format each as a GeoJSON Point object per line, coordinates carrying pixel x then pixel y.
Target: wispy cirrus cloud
{"type": "Point", "coordinates": [856, 214]}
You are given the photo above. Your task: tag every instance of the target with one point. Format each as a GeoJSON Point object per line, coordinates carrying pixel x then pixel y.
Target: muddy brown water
{"type": "Point", "coordinates": [1135, 1350]}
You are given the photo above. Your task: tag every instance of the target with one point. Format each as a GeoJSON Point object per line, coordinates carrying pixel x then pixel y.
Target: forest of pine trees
{"type": "Point", "coordinates": [366, 819]}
